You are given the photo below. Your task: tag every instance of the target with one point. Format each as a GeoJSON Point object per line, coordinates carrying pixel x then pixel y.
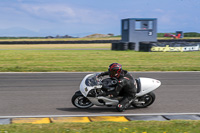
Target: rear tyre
{"type": "Point", "coordinates": [145, 100]}
{"type": "Point", "coordinates": [79, 101]}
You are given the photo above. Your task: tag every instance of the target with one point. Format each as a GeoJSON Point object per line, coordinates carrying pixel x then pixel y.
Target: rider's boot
{"type": "Point", "coordinates": [123, 105]}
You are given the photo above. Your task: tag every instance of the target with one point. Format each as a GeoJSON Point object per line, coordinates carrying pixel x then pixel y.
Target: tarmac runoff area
{"type": "Point", "coordinates": [167, 78]}
{"type": "Point", "coordinates": [46, 120]}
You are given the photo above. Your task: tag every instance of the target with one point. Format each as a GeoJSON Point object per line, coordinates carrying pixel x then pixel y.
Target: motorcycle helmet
{"type": "Point", "coordinates": [115, 70]}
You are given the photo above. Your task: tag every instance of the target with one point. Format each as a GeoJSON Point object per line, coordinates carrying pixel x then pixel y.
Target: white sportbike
{"type": "Point", "coordinates": [91, 86]}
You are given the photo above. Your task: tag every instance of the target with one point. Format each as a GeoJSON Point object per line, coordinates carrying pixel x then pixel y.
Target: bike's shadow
{"type": "Point", "coordinates": [93, 109]}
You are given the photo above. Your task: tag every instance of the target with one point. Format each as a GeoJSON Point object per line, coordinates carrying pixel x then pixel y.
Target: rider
{"type": "Point", "coordinates": [126, 85]}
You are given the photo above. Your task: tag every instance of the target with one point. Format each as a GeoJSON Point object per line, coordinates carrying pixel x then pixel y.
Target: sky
{"type": "Point", "coordinates": [79, 18]}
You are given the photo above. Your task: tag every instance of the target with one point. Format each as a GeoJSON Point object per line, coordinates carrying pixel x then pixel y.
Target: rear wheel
{"type": "Point", "coordinates": [79, 101]}
{"type": "Point", "coordinates": [145, 100]}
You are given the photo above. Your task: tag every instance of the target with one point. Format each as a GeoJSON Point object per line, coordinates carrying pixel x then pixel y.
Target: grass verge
{"type": "Point", "coordinates": [59, 39]}
{"type": "Point", "coordinates": [176, 126]}
{"type": "Point", "coordinates": [52, 46]}
{"type": "Point", "coordinates": [55, 58]}
{"type": "Point", "coordinates": [77, 39]}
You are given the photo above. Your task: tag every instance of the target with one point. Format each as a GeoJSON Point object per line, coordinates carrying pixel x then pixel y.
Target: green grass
{"type": "Point", "coordinates": [107, 127]}
{"type": "Point", "coordinates": [74, 39]}
{"type": "Point", "coordinates": [50, 60]}
{"type": "Point", "coordinates": [59, 39]}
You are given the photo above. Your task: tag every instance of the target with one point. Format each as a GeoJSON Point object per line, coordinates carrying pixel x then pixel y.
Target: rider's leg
{"type": "Point", "coordinates": [123, 104]}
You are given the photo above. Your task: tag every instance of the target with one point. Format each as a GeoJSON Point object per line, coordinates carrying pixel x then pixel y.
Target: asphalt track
{"type": "Point", "coordinates": [43, 94]}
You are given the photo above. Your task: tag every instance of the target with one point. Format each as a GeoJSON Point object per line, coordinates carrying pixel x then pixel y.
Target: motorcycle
{"type": "Point", "coordinates": [91, 86]}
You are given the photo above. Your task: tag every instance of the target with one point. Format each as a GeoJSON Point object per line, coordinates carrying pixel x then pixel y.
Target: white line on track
{"type": "Point", "coordinates": [38, 116]}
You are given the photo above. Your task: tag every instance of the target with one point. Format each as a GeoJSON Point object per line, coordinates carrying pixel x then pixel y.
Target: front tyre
{"type": "Point", "coordinates": [79, 101]}
{"type": "Point", "coordinates": [145, 100]}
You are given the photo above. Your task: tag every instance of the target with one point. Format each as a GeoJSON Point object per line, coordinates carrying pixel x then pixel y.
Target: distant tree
{"type": "Point", "coordinates": [191, 34]}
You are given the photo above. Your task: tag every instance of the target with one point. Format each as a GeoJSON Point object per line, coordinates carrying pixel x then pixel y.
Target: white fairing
{"type": "Point", "coordinates": [85, 90]}
{"type": "Point", "coordinates": [105, 99]}
{"type": "Point", "coordinates": [148, 85]}
{"type": "Point", "coordinates": [83, 86]}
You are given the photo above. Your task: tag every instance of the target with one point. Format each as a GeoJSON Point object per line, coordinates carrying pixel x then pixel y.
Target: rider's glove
{"type": "Point", "coordinates": [100, 75]}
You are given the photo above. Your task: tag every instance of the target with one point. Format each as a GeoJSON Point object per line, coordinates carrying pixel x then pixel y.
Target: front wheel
{"type": "Point", "coordinates": [144, 101]}
{"type": "Point", "coordinates": [79, 101]}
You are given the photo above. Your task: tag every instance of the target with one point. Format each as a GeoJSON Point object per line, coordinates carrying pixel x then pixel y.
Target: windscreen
{"type": "Point", "coordinates": [92, 80]}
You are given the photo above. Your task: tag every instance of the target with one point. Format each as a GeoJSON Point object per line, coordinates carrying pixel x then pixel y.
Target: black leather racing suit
{"type": "Point", "coordinates": [125, 87]}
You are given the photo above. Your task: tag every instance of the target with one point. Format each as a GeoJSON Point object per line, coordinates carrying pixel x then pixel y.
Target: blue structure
{"type": "Point", "coordinates": [138, 30]}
